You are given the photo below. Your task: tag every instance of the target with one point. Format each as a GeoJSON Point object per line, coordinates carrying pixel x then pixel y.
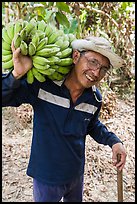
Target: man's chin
{"type": "Point", "coordinates": [88, 85]}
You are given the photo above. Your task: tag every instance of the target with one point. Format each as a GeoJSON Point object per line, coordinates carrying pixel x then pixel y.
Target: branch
{"type": "Point", "coordinates": [103, 13]}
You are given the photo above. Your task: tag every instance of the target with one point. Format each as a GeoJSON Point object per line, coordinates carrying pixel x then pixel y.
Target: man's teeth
{"type": "Point", "coordinates": [88, 77]}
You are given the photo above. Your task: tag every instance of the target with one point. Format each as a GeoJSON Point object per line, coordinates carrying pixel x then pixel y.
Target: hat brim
{"type": "Point", "coordinates": [114, 59]}
{"type": "Point", "coordinates": [82, 44]}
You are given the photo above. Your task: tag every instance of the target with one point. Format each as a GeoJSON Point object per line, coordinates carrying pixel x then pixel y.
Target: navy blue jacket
{"type": "Point", "coordinates": [59, 126]}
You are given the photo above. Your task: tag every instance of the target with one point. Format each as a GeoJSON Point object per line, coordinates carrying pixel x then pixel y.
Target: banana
{"type": "Point", "coordinates": [24, 48]}
{"type": "Point", "coordinates": [41, 25]}
{"type": "Point", "coordinates": [50, 46]}
{"type": "Point", "coordinates": [40, 60]}
{"type": "Point", "coordinates": [71, 37]}
{"type": "Point", "coordinates": [66, 37]}
{"type": "Point", "coordinates": [42, 43]}
{"type": "Point", "coordinates": [8, 64]}
{"type": "Point", "coordinates": [5, 36]}
{"type": "Point", "coordinates": [48, 30]}
{"type": "Point", "coordinates": [67, 52]}
{"type": "Point", "coordinates": [40, 33]}
{"type": "Point", "coordinates": [58, 54]}
{"type": "Point", "coordinates": [35, 39]}
{"type": "Point", "coordinates": [5, 45]}
{"type": "Point", "coordinates": [10, 30]}
{"type": "Point", "coordinates": [64, 70]}
{"type": "Point", "coordinates": [30, 77]}
{"type": "Point", "coordinates": [56, 76]}
{"type": "Point", "coordinates": [59, 41]}
{"type": "Point", "coordinates": [17, 40]}
{"type": "Point", "coordinates": [52, 38]}
{"type": "Point", "coordinates": [18, 27]}
{"type": "Point", "coordinates": [47, 72]}
{"type": "Point", "coordinates": [31, 48]}
{"type": "Point", "coordinates": [6, 58]}
{"type": "Point", "coordinates": [6, 52]}
{"type": "Point", "coordinates": [65, 45]}
{"type": "Point", "coordinates": [65, 62]}
{"type": "Point", "coordinates": [38, 75]}
{"type": "Point", "coordinates": [53, 60]}
{"type": "Point", "coordinates": [38, 66]}
{"type": "Point", "coordinates": [23, 34]}
{"type": "Point", "coordinates": [48, 52]}
{"type": "Point", "coordinates": [55, 66]}
{"type": "Point", "coordinates": [29, 27]}
{"type": "Point", "coordinates": [51, 77]}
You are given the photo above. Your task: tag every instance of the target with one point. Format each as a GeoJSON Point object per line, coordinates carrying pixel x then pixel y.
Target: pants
{"type": "Point", "coordinates": [70, 192]}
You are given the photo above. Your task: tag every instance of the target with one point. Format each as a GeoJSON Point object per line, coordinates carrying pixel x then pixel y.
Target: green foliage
{"type": "Point", "coordinates": [63, 7]}
{"type": "Point", "coordinates": [62, 19]}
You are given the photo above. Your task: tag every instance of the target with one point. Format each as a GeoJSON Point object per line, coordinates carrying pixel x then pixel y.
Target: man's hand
{"type": "Point", "coordinates": [118, 148]}
{"type": "Point", "coordinates": [21, 63]}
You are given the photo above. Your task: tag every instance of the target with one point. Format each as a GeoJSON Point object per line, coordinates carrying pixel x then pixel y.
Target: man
{"type": "Point", "coordinates": [64, 113]}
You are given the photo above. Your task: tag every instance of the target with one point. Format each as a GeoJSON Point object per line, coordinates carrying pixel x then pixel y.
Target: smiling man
{"type": "Point", "coordinates": [64, 113]}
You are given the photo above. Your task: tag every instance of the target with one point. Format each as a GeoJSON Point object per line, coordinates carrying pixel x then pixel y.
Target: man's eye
{"type": "Point", "coordinates": [93, 62]}
{"type": "Point", "coordinates": [105, 69]}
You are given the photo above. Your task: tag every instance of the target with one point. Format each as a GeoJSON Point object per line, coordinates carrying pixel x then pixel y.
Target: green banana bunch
{"type": "Point", "coordinates": [18, 27]}
{"type": "Point", "coordinates": [35, 39]}
{"type": "Point", "coordinates": [39, 66]}
{"type": "Point", "coordinates": [46, 72]}
{"type": "Point", "coordinates": [71, 37]}
{"type": "Point", "coordinates": [64, 70]}
{"type": "Point", "coordinates": [5, 36]}
{"type": "Point", "coordinates": [48, 47]}
{"type": "Point", "coordinates": [23, 34]}
{"type": "Point", "coordinates": [24, 47]}
{"type": "Point", "coordinates": [32, 48]}
{"type": "Point", "coordinates": [38, 75]}
{"type": "Point", "coordinates": [10, 30]}
{"type": "Point", "coordinates": [48, 30]}
{"type": "Point", "coordinates": [42, 43]}
{"type": "Point", "coordinates": [59, 41]}
{"type": "Point", "coordinates": [41, 25]}
{"type": "Point", "coordinates": [66, 52]}
{"type": "Point", "coordinates": [17, 40]}
{"type": "Point", "coordinates": [40, 33]}
{"type": "Point", "coordinates": [30, 77]}
{"type": "Point", "coordinates": [65, 62]}
{"type": "Point", "coordinates": [7, 64]}
{"type": "Point", "coordinates": [6, 52]}
{"type": "Point", "coordinates": [53, 60]}
{"type": "Point", "coordinates": [56, 76]}
{"type": "Point", "coordinates": [48, 52]}
{"type": "Point", "coordinates": [6, 58]}
{"type": "Point", "coordinates": [40, 60]}
{"type": "Point", "coordinates": [29, 27]}
{"type": "Point", "coordinates": [55, 34]}
{"type": "Point", "coordinates": [65, 45]}
{"type": "Point", "coordinates": [6, 46]}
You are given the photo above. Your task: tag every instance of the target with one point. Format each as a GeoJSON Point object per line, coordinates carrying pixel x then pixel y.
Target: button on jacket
{"type": "Point", "coordinates": [59, 126]}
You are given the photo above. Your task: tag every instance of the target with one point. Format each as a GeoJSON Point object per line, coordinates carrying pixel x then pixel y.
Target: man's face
{"type": "Point", "coordinates": [90, 67]}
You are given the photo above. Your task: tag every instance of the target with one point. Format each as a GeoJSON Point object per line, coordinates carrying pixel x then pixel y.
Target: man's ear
{"type": "Point", "coordinates": [75, 56]}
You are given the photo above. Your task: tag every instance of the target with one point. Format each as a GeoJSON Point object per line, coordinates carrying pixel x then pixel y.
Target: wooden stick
{"type": "Point", "coordinates": [119, 181]}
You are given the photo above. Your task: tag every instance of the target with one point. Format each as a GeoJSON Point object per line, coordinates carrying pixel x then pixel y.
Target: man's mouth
{"type": "Point", "coordinates": [89, 78]}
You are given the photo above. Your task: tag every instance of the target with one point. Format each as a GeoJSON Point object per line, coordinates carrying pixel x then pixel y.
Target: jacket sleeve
{"type": "Point", "coordinates": [15, 92]}
{"type": "Point", "coordinates": [100, 133]}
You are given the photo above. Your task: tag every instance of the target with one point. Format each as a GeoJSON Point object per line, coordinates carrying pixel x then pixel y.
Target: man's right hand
{"type": "Point", "coordinates": [21, 63]}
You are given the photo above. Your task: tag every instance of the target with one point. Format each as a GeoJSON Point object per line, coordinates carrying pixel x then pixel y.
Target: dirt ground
{"type": "Point", "coordinates": [100, 184]}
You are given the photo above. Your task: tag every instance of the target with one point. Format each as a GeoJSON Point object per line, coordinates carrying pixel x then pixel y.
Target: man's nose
{"type": "Point", "coordinates": [96, 72]}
